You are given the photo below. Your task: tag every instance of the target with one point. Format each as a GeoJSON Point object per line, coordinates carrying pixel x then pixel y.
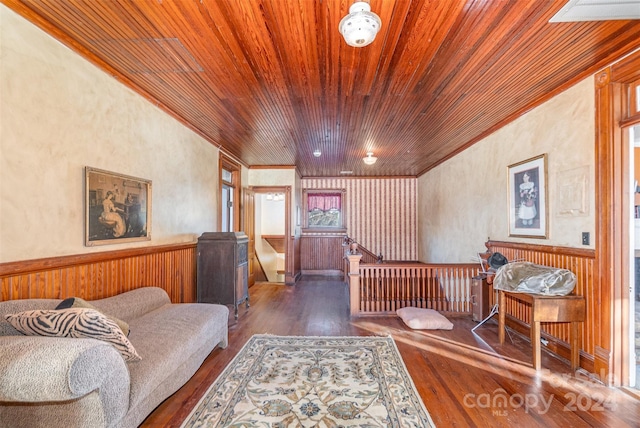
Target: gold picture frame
{"type": "Point", "coordinates": [528, 214]}
{"type": "Point", "coordinates": [117, 208]}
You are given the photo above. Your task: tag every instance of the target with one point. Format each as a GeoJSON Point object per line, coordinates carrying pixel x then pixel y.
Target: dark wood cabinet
{"type": "Point", "coordinates": [223, 272]}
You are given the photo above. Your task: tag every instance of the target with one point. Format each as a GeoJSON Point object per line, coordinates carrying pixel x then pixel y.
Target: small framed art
{"type": "Point", "coordinates": [528, 198]}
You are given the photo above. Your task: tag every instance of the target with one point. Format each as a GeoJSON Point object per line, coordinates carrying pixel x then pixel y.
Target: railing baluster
{"type": "Point", "coordinates": [386, 288]}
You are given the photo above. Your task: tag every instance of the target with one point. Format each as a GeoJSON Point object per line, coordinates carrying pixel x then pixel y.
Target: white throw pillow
{"type": "Point", "coordinates": [424, 319]}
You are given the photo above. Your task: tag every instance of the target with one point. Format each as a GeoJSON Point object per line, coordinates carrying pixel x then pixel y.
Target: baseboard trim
{"type": "Point", "coordinates": [324, 272]}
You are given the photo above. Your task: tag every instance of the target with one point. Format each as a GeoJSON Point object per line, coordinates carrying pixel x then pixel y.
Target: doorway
{"type": "Point", "coordinates": [271, 233]}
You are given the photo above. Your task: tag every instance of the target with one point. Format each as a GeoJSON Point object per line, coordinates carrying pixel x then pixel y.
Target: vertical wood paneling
{"type": "Point", "coordinates": [381, 213]}
{"type": "Point", "coordinates": [318, 253]}
{"type": "Point", "coordinates": [439, 76]}
{"type": "Point", "coordinates": [99, 275]}
{"type": "Point", "coordinates": [581, 262]}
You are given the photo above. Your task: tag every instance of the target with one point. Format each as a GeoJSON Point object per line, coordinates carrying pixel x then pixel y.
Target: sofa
{"type": "Point", "coordinates": [86, 382]}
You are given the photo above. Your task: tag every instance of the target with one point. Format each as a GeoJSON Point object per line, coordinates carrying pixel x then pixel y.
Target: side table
{"type": "Point", "coordinates": [548, 309]}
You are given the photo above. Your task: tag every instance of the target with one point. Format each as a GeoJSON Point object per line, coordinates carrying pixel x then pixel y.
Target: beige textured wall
{"type": "Point", "coordinates": [464, 201]}
{"type": "Point", "coordinates": [59, 113]}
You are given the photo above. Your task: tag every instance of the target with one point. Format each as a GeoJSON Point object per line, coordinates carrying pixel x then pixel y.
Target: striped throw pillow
{"type": "Point", "coordinates": [76, 302]}
{"type": "Point", "coordinates": [76, 323]}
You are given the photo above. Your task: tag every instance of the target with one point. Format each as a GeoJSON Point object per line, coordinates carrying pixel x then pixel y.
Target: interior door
{"type": "Point", "coordinates": [248, 223]}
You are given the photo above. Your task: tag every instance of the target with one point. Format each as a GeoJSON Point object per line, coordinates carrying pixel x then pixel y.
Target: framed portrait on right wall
{"type": "Point", "coordinates": [528, 198]}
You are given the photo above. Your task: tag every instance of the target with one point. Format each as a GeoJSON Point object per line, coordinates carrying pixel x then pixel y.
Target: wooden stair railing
{"type": "Point", "coordinates": [383, 288]}
{"type": "Point", "coordinates": [367, 256]}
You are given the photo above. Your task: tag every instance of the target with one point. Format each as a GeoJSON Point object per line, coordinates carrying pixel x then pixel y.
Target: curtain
{"type": "Point", "coordinates": [324, 201]}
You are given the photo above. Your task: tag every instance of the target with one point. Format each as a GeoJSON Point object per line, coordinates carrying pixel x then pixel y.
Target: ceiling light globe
{"type": "Point", "coordinates": [360, 27]}
{"type": "Point", "coordinates": [370, 159]}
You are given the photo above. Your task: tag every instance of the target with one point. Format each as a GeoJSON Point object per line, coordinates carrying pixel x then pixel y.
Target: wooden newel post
{"type": "Point", "coordinates": [354, 282]}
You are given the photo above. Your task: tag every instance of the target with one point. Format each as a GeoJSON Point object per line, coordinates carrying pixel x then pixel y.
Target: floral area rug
{"type": "Point", "coordinates": [285, 381]}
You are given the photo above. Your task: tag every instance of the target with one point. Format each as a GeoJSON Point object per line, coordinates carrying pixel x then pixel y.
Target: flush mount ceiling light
{"type": "Point", "coordinates": [370, 159]}
{"type": "Point", "coordinates": [275, 197]}
{"type": "Point", "coordinates": [360, 27]}
{"type": "Point", "coordinates": [317, 153]}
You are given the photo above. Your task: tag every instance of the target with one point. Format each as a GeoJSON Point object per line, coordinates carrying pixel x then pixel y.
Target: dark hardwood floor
{"type": "Point", "coordinates": [464, 379]}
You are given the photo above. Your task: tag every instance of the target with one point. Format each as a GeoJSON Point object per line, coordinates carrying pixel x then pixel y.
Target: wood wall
{"type": "Point", "coordinates": [99, 275]}
{"type": "Point", "coordinates": [322, 252]}
{"type": "Point", "coordinates": [582, 263]}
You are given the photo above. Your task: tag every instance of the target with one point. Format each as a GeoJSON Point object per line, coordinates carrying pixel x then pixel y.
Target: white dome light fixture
{"type": "Point", "coordinates": [370, 159]}
{"type": "Point", "coordinates": [317, 153]}
{"type": "Point", "coordinates": [360, 27]}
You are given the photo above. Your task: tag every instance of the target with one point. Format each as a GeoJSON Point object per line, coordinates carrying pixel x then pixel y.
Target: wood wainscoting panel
{"type": "Point", "coordinates": [579, 261]}
{"type": "Point", "coordinates": [322, 253]}
{"type": "Point", "coordinates": [99, 275]}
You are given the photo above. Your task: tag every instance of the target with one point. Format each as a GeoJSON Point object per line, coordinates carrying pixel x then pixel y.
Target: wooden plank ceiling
{"type": "Point", "coordinates": [271, 81]}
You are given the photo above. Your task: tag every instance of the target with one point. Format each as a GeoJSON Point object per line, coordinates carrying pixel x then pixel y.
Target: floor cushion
{"type": "Point", "coordinates": [424, 319]}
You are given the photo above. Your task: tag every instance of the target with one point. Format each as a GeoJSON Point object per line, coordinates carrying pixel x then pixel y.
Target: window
{"type": "Point", "coordinates": [633, 100]}
{"type": "Point", "coordinates": [229, 218]}
{"type": "Point", "coordinates": [227, 207]}
{"type": "Point", "coordinates": [324, 209]}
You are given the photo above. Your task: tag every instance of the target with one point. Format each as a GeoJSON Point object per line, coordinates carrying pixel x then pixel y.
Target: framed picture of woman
{"type": "Point", "coordinates": [117, 208]}
{"type": "Point", "coordinates": [528, 198]}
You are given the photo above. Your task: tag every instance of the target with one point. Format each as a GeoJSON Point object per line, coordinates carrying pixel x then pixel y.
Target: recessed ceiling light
{"type": "Point", "coordinates": [317, 153]}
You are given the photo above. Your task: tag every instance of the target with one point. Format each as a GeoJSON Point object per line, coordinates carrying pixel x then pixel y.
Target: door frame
{"type": "Point", "coordinates": [249, 228]}
{"type": "Point", "coordinates": [288, 248]}
{"type": "Point", "coordinates": [612, 265]}
{"type": "Point", "coordinates": [227, 163]}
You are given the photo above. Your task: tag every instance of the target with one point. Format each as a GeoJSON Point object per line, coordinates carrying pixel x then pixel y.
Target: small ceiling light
{"type": "Point", "coordinates": [360, 27]}
{"type": "Point", "coordinates": [370, 159]}
{"type": "Point", "coordinates": [269, 196]}
{"type": "Point", "coordinates": [317, 153]}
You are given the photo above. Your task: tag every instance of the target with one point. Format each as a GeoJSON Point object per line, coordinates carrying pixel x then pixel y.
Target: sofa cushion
{"type": "Point", "coordinates": [76, 302]}
{"type": "Point", "coordinates": [134, 303]}
{"type": "Point", "coordinates": [424, 319]}
{"type": "Point", "coordinates": [168, 337]}
{"type": "Point", "coordinates": [74, 323]}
